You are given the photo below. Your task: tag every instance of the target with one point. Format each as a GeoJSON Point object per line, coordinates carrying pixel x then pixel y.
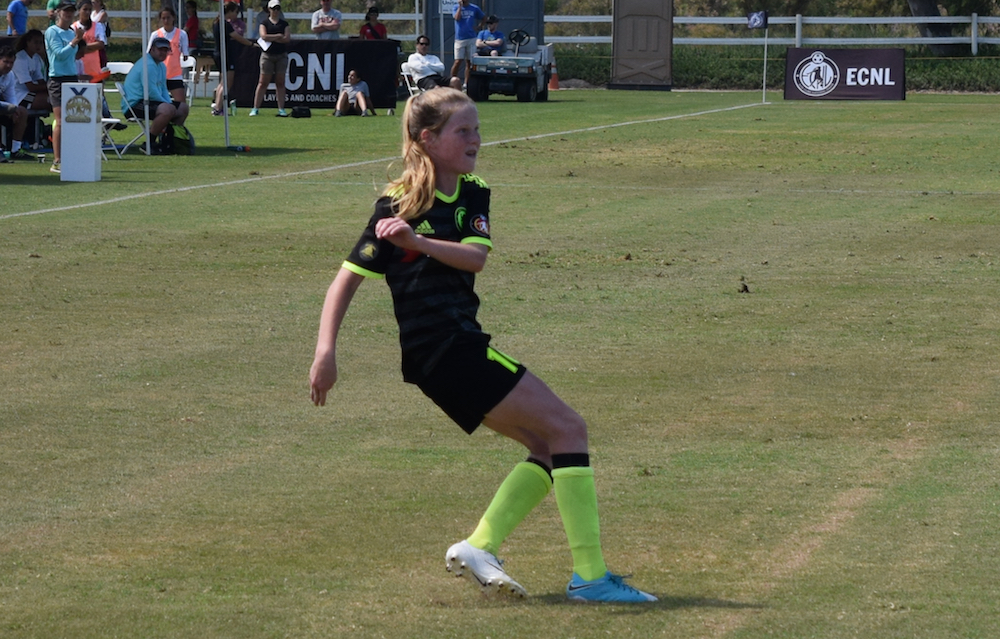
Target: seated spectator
{"type": "Point", "coordinates": [11, 113]}
{"type": "Point", "coordinates": [427, 68]}
{"type": "Point", "coordinates": [354, 98]}
{"type": "Point", "coordinates": [490, 41]}
{"type": "Point", "coordinates": [372, 29]}
{"type": "Point", "coordinates": [30, 89]}
{"type": "Point", "coordinates": [162, 109]}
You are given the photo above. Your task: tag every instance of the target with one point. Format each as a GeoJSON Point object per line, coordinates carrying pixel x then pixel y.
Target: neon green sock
{"type": "Point", "coordinates": [576, 497]}
{"type": "Point", "coordinates": [525, 487]}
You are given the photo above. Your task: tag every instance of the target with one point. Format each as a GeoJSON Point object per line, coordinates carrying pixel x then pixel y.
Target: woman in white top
{"type": "Point", "coordinates": [178, 47]}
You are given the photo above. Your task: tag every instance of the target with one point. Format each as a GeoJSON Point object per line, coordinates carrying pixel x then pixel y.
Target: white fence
{"type": "Point", "coordinates": [973, 25]}
{"type": "Point", "coordinates": [976, 29]}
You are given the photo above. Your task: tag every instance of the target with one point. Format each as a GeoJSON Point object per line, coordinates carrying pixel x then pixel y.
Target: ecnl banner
{"type": "Point", "coordinates": [845, 74]}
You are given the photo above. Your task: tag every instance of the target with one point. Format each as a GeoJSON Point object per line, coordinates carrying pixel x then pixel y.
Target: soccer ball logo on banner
{"type": "Point", "coordinates": [816, 75]}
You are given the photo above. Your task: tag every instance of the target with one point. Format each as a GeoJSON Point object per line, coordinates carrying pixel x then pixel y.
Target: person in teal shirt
{"type": "Point", "coordinates": [62, 45]}
{"type": "Point", "coordinates": [162, 109]}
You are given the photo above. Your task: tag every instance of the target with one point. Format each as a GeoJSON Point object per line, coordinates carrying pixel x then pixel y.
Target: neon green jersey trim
{"type": "Point", "coordinates": [363, 272]}
{"type": "Point", "coordinates": [478, 240]}
{"type": "Point", "coordinates": [467, 177]}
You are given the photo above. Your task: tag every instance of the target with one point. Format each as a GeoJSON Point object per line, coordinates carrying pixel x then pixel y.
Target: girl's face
{"type": "Point", "coordinates": [34, 46]}
{"type": "Point", "coordinates": [167, 20]}
{"type": "Point", "coordinates": [454, 149]}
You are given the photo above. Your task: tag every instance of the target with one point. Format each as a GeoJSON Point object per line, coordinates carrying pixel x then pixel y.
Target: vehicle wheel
{"type": "Point", "coordinates": [527, 91]}
{"type": "Point", "coordinates": [478, 89]}
{"type": "Point", "coordinates": [543, 95]}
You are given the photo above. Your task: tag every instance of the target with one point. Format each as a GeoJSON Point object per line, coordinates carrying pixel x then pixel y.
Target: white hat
{"type": "Point", "coordinates": [273, 3]}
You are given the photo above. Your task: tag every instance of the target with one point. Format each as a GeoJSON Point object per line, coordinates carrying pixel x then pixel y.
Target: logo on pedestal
{"type": "Point", "coordinates": [78, 108]}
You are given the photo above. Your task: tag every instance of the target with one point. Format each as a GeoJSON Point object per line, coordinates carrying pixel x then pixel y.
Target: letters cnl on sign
{"type": "Point", "coordinates": [316, 69]}
{"type": "Point", "coordinates": [845, 74]}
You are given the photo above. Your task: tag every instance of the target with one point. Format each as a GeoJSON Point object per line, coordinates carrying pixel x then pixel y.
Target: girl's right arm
{"type": "Point", "coordinates": [324, 368]}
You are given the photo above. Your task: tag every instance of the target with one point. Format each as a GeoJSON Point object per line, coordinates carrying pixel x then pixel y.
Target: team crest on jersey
{"type": "Point", "coordinates": [368, 251]}
{"type": "Point", "coordinates": [481, 225]}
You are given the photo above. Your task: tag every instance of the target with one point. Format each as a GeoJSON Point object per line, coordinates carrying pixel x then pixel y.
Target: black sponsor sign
{"type": "Point", "coordinates": [845, 74]}
{"type": "Point", "coordinates": [317, 68]}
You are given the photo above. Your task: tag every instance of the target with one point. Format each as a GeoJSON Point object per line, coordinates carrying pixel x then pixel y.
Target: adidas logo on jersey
{"type": "Point", "coordinates": [424, 228]}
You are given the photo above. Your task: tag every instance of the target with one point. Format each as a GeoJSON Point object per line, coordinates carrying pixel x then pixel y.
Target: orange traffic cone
{"type": "Point", "coordinates": [554, 78]}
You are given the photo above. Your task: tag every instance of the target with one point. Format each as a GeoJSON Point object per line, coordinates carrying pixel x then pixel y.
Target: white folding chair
{"type": "Point", "coordinates": [132, 119]}
{"type": "Point", "coordinates": [188, 76]}
{"type": "Point", "coordinates": [411, 82]}
{"type": "Point", "coordinates": [107, 124]}
{"type": "Point", "coordinates": [119, 68]}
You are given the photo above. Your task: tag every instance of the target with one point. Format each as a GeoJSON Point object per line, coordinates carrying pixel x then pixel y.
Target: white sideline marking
{"type": "Point", "coordinates": [183, 189]}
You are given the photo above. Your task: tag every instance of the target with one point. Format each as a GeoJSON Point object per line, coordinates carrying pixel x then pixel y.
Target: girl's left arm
{"type": "Point", "coordinates": [465, 257]}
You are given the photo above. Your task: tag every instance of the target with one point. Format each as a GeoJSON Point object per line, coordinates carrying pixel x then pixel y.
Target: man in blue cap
{"type": "Point", "coordinates": [162, 109]}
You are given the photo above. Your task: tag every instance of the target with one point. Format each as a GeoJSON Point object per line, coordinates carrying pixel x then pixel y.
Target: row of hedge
{"type": "Point", "coordinates": [740, 67]}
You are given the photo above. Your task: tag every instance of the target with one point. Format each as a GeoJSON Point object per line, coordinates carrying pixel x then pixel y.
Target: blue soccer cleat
{"type": "Point", "coordinates": [609, 588]}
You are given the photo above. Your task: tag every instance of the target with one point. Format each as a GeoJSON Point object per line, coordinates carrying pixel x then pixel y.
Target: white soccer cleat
{"type": "Point", "coordinates": [483, 568]}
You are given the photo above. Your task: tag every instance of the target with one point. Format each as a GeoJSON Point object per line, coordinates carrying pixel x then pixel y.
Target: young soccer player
{"type": "Point", "coordinates": [429, 235]}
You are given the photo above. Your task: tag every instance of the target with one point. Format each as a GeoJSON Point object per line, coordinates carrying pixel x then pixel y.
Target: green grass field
{"type": "Point", "coordinates": [816, 457]}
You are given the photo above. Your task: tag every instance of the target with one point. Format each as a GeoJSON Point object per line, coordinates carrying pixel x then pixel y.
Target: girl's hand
{"type": "Point", "coordinates": [398, 232]}
{"type": "Point", "coordinates": [322, 377]}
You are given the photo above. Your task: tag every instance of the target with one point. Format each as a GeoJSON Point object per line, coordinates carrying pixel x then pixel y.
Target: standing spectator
{"type": "Point", "coordinates": [162, 109]}
{"type": "Point", "coordinates": [355, 98]}
{"type": "Point", "coordinates": [468, 18]}
{"type": "Point", "coordinates": [178, 47]}
{"type": "Point", "coordinates": [192, 26]}
{"type": "Point", "coordinates": [372, 29]}
{"type": "Point", "coordinates": [30, 89]}
{"type": "Point", "coordinates": [50, 9]}
{"type": "Point", "coordinates": [100, 15]}
{"type": "Point", "coordinates": [326, 22]}
{"type": "Point", "coordinates": [428, 70]}
{"type": "Point", "coordinates": [93, 35]}
{"type": "Point", "coordinates": [10, 111]}
{"type": "Point", "coordinates": [276, 35]}
{"type": "Point", "coordinates": [234, 41]}
{"type": "Point", "coordinates": [490, 40]}
{"type": "Point", "coordinates": [62, 44]}
{"type": "Point", "coordinates": [17, 17]}
{"type": "Point", "coordinates": [259, 19]}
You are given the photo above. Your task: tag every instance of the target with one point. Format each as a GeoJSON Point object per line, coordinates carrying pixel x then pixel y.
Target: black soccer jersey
{"type": "Point", "coordinates": [435, 304]}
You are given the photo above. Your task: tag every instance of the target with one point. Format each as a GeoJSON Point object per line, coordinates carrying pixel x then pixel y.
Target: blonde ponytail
{"type": "Point", "coordinates": [413, 193]}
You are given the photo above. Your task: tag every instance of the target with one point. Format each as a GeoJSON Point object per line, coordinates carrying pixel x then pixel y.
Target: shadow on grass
{"type": "Point", "coordinates": [665, 603]}
{"type": "Point", "coordinates": [256, 151]}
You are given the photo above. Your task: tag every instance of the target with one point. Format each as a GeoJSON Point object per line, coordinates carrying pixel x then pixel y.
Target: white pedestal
{"type": "Point", "coordinates": [81, 132]}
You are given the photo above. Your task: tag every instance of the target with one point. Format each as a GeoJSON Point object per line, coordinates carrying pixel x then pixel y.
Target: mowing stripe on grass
{"type": "Point", "coordinates": [351, 165]}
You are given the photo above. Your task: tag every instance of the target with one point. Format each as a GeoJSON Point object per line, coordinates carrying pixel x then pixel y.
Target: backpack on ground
{"type": "Point", "coordinates": [176, 139]}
